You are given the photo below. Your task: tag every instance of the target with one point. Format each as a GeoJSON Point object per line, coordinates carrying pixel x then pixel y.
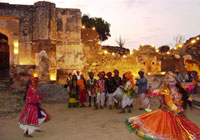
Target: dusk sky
{"type": "Point", "coordinates": [153, 22]}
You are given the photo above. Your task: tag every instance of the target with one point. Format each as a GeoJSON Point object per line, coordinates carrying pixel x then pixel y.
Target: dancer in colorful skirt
{"type": "Point", "coordinates": [32, 116]}
{"type": "Point", "coordinates": [168, 123]}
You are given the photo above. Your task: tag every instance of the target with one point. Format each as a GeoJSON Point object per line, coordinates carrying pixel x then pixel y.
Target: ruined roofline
{"type": "Point", "coordinates": [4, 5]}
{"type": "Point", "coordinates": [20, 6]}
{"type": "Point", "coordinates": [68, 9]}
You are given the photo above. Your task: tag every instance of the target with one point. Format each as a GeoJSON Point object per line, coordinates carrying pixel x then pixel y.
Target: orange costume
{"type": "Point", "coordinates": [82, 91]}
{"type": "Point", "coordinates": [166, 123]}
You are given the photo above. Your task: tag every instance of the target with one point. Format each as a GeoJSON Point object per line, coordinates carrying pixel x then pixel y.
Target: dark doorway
{"type": "Point", "coordinates": [4, 56]}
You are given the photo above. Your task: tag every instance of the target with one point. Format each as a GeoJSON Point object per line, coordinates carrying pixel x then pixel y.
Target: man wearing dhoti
{"type": "Point", "coordinates": [128, 93]}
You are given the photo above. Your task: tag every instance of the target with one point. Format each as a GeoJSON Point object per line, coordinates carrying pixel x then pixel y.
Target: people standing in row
{"type": "Point", "coordinates": [91, 88]}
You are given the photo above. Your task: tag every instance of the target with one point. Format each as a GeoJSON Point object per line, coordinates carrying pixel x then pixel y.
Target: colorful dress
{"type": "Point", "coordinates": [165, 124]}
{"type": "Point", "coordinates": [101, 91]}
{"type": "Point", "coordinates": [82, 90]}
{"type": "Point", "coordinates": [33, 115]}
{"type": "Point", "coordinates": [128, 94]}
{"type": "Point", "coordinates": [91, 87]}
{"type": "Point", "coordinates": [73, 98]}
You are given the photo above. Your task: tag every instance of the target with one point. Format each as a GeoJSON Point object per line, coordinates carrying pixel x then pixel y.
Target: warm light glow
{"type": "Point", "coordinates": [124, 56]}
{"type": "Point", "coordinates": [193, 41]}
{"type": "Point", "coordinates": [142, 44]}
{"type": "Point", "coordinates": [175, 48]}
{"type": "Point", "coordinates": [131, 53]}
{"type": "Point", "coordinates": [105, 51]}
{"type": "Point", "coordinates": [197, 38]}
{"type": "Point", "coordinates": [99, 42]}
{"type": "Point", "coordinates": [16, 51]}
{"type": "Point", "coordinates": [16, 47]}
{"type": "Point", "coordinates": [152, 46]}
{"type": "Point", "coordinates": [113, 54]}
{"type": "Point", "coordinates": [21, 63]}
{"type": "Point", "coordinates": [157, 50]}
{"type": "Point", "coordinates": [93, 28]}
{"type": "Point", "coordinates": [149, 73]}
{"type": "Point", "coordinates": [16, 44]}
{"type": "Point", "coordinates": [168, 52]}
{"type": "Point", "coordinates": [137, 49]}
{"type": "Point", "coordinates": [163, 73]}
{"type": "Point", "coordinates": [53, 76]}
{"type": "Point", "coordinates": [35, 74]}
{"type": "Point", "coordinates": [83, 27]}
{"type": "Point", "coordinates": [180, 45]}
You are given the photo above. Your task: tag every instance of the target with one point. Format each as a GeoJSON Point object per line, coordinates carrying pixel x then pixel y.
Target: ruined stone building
{"type": "Point", "coordinates": [40, 35]}
{"type": "Point", "coordinates": [49, 42]}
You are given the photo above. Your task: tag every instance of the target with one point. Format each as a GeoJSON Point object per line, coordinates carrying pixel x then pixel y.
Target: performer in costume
{"type": "Point", "coordinates": [127, 100]}
{"type": "Point", "coordinates": [32, 116]}
{"type": "Point", "coordinates": [142, 92]}
{"type": "Point", "coordinates": [82, 90]}
{"type": "Point", "coordinates": [169, 122]}
{"type": "Point", "coordinates": [73, 93]}
{"type": "Point", "coordinates": [118, 83]}
{"type": "Point", "coordinates": [110, 86]}
{"type": "Point", "coordinates": [101, 87]}
{"type": "Point", "coordinates": [91, 82]}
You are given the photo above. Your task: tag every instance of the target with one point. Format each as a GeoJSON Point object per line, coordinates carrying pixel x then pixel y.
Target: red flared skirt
{"type": "Point", "coordinates": [161, 125]}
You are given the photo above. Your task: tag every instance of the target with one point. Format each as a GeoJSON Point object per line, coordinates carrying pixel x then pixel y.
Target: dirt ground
{"type": "Point", "coordinates": [81, 124]}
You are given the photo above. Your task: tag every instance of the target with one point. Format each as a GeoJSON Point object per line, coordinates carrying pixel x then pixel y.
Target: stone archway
{"type": "Point", "coordinates": [4, 55]}
{"type": "Point", "coordinates": [12, 60]}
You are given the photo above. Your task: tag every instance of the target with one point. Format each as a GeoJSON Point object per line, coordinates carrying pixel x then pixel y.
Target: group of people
{"type": "Point", "coordinates": [99, 91]}
{"type": "Point", "coordinates": [169, 122]}
{"type": "Point", "coordinates": [104, 90]}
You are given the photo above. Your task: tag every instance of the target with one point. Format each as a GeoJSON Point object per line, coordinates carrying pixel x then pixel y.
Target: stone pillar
{"type": "Point", "coordinates": [44, 38]}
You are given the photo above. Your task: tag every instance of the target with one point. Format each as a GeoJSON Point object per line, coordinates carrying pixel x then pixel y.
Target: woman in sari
{"type": "Point", "coordinates": [168, 123]}
{"type": "Point", "coordinates": [73, 93]}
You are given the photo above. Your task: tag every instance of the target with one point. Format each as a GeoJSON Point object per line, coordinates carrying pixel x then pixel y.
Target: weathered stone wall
{"type": "Point", "coordinates": [17, 21]}
{"type": "Point", "coordinates": [96, 60]}
{"type": "Point", "coordinates": [69, 49]}
{"type": "Point", "coordinates": [43, 27]}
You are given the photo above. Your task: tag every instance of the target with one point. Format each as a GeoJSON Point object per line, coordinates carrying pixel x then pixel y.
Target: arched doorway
{"type": "Point", "coordinates": [4, 56]}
